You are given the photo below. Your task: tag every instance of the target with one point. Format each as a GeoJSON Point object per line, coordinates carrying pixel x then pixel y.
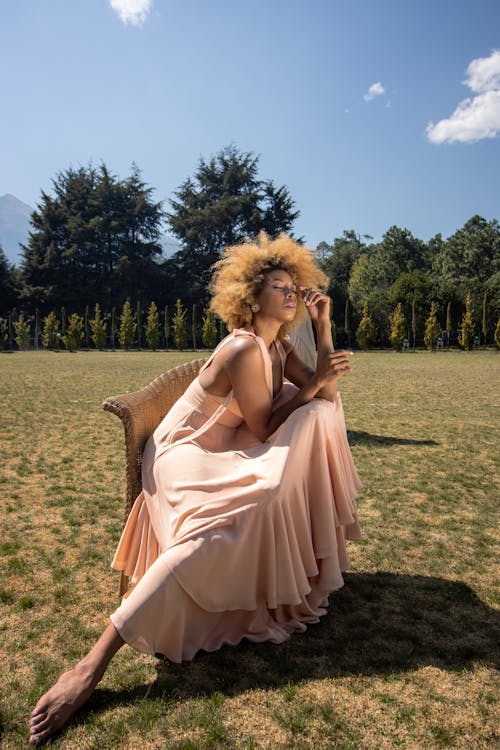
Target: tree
{"type": "Point", "coordinates": [50, 335]}
{"type": "Point", "coordinates": [138, 317]}
{"type": "Point", "coordinates": [73, 338]}
{"type": "Point", "coordinates": [337, 260]}
{"type": "Point", "coordinates": [414, 321]}
{"type": "Point", "coordinates": [468, 259]}
{"type": "Point", "coordinates": [432, 328]}
{"type": "Point", "coordinates": [193, 325]}
{"type": "Point", "coordinates": [224, 202]}
{"type": "Point", "coordinates": [98, 328]}
{"type": "Point", "coordinates": [209, 330]}
{"type": "Point", "coordinates": [22, 335]}
{"type": "Point", "coordinates": [128, 327]}
{"type": "Point", "coordinates": [9, 284]}
{"type": "Point", "coordinates": [398, 328]}
{"type": "Point", "coordinates": [113, 327]}
{"type": "Point", "coordinates": [448, 323]}
{"type": "Point", "coordinates": [466, 338]}
{"type": "Point", "coordinates": [4, 335]}
{"type": "Point", "coordinates": [179, 325]}
{"type": "Point", "coordinates": [153, 327]}
{"type": "Point", "coordinates": [366, 334]}
{"type": "Point", "coordinates": [484, 322]}
{"type": "Point", "coordinates": [166, 326]}
{"type": "Point", "coordinates": [93, 236]}
{"type": "Point", "coordinates": [347, 324]}
{"type": "Point", "coordinates": [497, 334]}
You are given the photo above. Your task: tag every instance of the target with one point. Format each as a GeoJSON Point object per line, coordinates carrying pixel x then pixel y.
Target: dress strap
{"type": "Point", "coordinates": [222, 408]}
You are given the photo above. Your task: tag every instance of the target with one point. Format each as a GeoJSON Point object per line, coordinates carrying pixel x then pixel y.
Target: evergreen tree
{"type": "Point", "coordinates": [209, 331]}
{"type": "Point", "coordinates": [128, 327]}
{"type": "Point", "coordinates": [398, 328]}
{"type": "Point", "coordinates": [63, 320]}
{"type": "Point", "coordinates": [224, 202]}
{"type": "Point", "coordinates": [138, 317]}
{"type": "Point", "coordinates": [332, 324]}
{"type": "Point", "coordinates": [22, 333]}
{"type": "Point", "coordinates": [484, 326]}
{"type": "Point", "coordinates": [166, 326]}
{"type": "Point", "coordinates": [414, 321]}
{"type": "Point", "coordinates": [179, 326]}
{"type": "Point", "coordinates": [153, 327]}
{"type": "Point", "coordinates": [366, 334]}
{"type": "Point", "coordinates": [347, 325]}
{"type": "Point", "coordinates": [222, 329]}
{"type": "Point", "coordinates": [86, 327]}
{"type": "Point", "coordinates": [98, 328]}
{"type": "Point", "coordinates": [448, 323]}
{"type": "Point", "coordinates": [466, 338]}
{"type": "Point", "coordinates": [4, 335]}
{"type": "Point", "coordinates": [37, 328]}
{"type": "Point", "coordinates": [50, 335]}
{"type": "Point", "coordinates": [497, 334]}
{"type": "Point", "coordinates": [73, 338]}
{"type": "Point", "coordinates": [432, 328]}
{"type": "Point", "coordinates": [113, 328]}
{"type": "Point", "coordinates": [193, 325]}
{"type": "Point", "coordinates": [9, 283]}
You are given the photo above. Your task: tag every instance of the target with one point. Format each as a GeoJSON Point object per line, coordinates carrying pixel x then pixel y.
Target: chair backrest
{"type": "Point", "coordinates": [142, 411]}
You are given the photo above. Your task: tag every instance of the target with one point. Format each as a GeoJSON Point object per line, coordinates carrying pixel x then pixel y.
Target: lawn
{"type": "Point", "coordinates": [408, 654]}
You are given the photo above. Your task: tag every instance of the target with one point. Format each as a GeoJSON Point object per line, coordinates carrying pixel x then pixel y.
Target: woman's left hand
{"type": "Point", "coordinates": [317, 303]}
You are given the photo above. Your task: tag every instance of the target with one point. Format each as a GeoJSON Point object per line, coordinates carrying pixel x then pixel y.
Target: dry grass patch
{"type": "Point", "coordinates": [407, 656]}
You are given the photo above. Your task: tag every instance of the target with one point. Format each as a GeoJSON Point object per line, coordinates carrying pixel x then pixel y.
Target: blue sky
{"type": "Point", "coordinates": [336, 96]}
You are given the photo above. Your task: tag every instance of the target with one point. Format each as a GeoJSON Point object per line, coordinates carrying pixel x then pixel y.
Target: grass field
{"type": "Point", "coordinates": [408, 654]}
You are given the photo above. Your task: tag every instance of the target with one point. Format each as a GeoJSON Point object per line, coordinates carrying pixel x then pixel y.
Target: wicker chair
{"type": "Point", "coordinates": [141, 412]}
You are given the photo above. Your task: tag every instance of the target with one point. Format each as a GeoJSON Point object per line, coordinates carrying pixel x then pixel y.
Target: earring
{"type": "Point", "coordinates": [255, 307]}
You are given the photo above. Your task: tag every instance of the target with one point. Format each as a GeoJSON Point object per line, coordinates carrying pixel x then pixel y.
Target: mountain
{"type": "Point", "coordinates": [14, 226]}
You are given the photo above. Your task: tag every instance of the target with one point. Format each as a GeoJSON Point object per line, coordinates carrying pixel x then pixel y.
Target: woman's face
{"type": "Point", "coordinates": [278, 296]}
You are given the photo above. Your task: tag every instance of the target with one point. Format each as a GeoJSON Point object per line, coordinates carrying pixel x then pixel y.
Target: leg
{"type": "Point", "coordinates": [73, 688]}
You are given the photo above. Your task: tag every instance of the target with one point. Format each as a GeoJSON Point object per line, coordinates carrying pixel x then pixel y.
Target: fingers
{"type": "Point", "coordinates": [337, 364]}
{"type": "Point", "coordinates": [312, 297]}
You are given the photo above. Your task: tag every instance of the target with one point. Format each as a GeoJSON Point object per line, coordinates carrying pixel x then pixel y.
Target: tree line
{"type": "Point", "coordinates": [95, 239]}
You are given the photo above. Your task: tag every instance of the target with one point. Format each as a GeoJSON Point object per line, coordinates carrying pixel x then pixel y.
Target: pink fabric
{"type": "Point", "coordinates": [231, 537]}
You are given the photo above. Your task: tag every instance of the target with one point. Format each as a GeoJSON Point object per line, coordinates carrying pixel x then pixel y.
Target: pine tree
{"type": "Point", "coordinates": [63, 320]}
{"type": "Point", "coordinates": [166, 326]}
{"type": "Point", "coordinates": [366, 333]}
{"type": "Point", "coordinates": [179, 325]}
{"type": "Point", "coordinates": [37, 328]}
{"type": "Point", "coordinates": [73, 338]}
{"type": "Point", "coordinates": [398, 328]}
{"type": "Point", "coordinates": [466, 338]}
{"type": "Point", "coordinates": [153, 327]}
{"type": "Point", "coordinates": [432, 328]}
{"type": "Point", "coordinates": [98, 327]}
{"type": "Point", "coordinates": [113, 328]}
{"type": "Point", "coordinates": [332, 324]}
{"type": "Point", "coordinates": [484, 326]}
{"type": "Point", "coordinates": [138, 317]}
{"type": "Point", "coordinates": [347, 325]}
{"type": "Point", "coordinates": [86, 327]}
{"type": "Point", "coordinates": [128, 327]}
{"type": "Point", "coordinates": [22, 333]}
{"type": "Point", "coordinates": [50, 335]}
{"type": "Point", "coordinates": [497, 334]}
{"type": "Point", "coordinates": [4, 335]}
{"type": "Point", "coordinates": [448, 324]}
{"type": "Point", "coordinates": [414, 321]}
{"type": "Point", "coordinates": [209, 331]}
{"type": "Point", "coordinates": [193, 325]}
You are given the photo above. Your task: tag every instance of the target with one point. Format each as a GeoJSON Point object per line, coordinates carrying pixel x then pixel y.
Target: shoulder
{"type": "Point", "coordinates": [240, 348]}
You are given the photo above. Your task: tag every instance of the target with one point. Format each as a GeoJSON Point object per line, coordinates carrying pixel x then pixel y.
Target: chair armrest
{"type": "Point", "coordinates": [141, 412]}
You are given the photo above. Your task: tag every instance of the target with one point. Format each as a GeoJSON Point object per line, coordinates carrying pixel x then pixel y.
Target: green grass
{"type": "Point", "coordinates": [407, 656]}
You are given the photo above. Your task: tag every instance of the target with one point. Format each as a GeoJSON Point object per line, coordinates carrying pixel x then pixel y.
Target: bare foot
{"type": "Point", "coordinates": [54, 708]}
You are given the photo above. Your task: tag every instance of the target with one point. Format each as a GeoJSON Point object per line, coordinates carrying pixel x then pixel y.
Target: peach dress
{"type": "Point", "coordinates": [233, 538]}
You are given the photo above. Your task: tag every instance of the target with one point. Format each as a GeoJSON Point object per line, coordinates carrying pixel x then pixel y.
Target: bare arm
{"type": "Point", "coordinates": [245, 370]}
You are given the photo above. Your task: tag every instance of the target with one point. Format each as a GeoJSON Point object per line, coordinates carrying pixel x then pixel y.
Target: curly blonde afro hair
{"type": "Point", "coordinates": [239, 276]}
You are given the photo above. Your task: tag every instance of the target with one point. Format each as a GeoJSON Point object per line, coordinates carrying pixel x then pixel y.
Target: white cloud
{"type": "Point", "coordinates": [132, 11]}
{"type": "Point", "coordinates": [376, 89]}
{"type": "Point", "coordinates": [476, 117]}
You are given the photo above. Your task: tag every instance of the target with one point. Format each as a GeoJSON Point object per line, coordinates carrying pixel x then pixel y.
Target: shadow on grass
{"type": "Point", "coordinates": [378, 624]}
{"type": "Point", "coordinates": [358, 437]}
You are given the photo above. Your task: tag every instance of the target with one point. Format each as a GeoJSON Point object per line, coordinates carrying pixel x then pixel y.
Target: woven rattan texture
{"type": "Point", "coordinates": [141, 412]}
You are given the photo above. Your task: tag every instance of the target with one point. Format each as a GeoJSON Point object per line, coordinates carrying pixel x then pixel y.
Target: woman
{"type": "Point", "coordinates": [245, 474]}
